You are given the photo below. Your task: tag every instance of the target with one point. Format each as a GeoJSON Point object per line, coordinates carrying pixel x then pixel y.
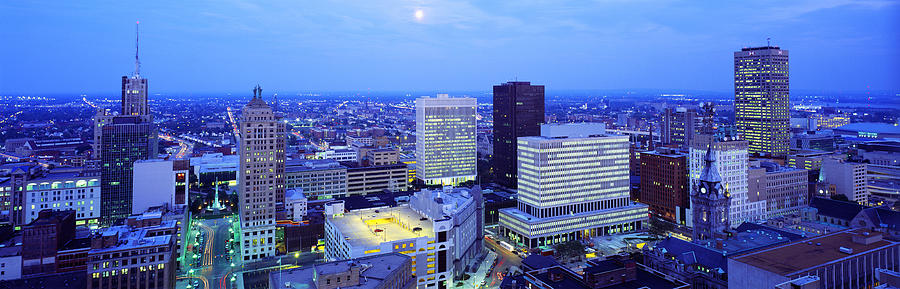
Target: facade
{"type": "Point", "coordinates": [123, 141]}
{"type": "Point", "coordinates": [848, 179]}
{"type": "Point", "coordinates": [762, 98]}
{"type": "Point", "coordinates": [446, 153]}
{"type": "Point", "coordinates": [160, 182]}
{"type": "Point", "coordinates": [385, 271]}
{"type": "Point", "coordinates": [261, 177]}
{"type": "Point", "coordinates": [784, 189]}
{"type": "Point", "coordinates": [61, 190]}
{"type": "Point", "coordinates": [573, 184]}
{"type": "Point", "coordinates": [318, 179]}
{"type": "Point", "coordinates": [844, 259]}
{"type": "Point", "coordinates": [440, 247]}
{"type": "Point", "coordinates": [139, 254]}
{"type": "Point", "coordinates": [518, 111]}
{"type": "Point", "coordinates": [679, 125]}
{"type": "Point", "coordinates": [364, 180]}
{"type": "Point", "coordinates": [732, 162]}
{"type": "Point", "coordinates": [664, 184]}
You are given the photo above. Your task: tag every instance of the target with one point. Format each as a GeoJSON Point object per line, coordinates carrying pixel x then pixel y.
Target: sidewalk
{"type": "Point", "coordinates": [476, 278]}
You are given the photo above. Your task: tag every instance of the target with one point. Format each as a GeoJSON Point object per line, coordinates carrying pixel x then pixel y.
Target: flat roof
{"type": "Point", "coordinates": [393, 224]}
{"type": "Point", "coordinates": [810, 253]}
{"type": "Point", "coordinates": [374, 270]}
{"type": "Point", "coordinates": [130, 238]}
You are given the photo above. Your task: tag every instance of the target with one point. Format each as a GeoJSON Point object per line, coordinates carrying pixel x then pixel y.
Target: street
{"type": "Point", "coordinates": [506, 261]}
{"type": "Point", "coordinates": [213, 266]}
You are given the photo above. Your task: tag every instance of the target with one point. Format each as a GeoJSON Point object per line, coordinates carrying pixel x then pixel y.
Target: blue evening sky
{"type": "Point", "coordinates": [289, 46]}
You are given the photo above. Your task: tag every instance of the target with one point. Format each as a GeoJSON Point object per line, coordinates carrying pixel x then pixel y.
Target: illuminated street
{"type": "Point", "coordinates": [212, 266]}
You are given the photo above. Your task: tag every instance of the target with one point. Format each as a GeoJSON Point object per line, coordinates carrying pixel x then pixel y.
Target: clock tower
{"type": "Point", "coordinates": [710, 202]}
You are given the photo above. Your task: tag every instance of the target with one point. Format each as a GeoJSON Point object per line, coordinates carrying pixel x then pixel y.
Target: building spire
{"type": "Point", "coordinates": [710, 171]}
{"type": "Point", "coordinates": [137, 46]}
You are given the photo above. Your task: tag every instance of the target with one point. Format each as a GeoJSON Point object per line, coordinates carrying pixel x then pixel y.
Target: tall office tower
{"type": "Point", "coordinates": [679, 126]}
{"type": "Point", "coordinates": [134, 89]}
{"type": "Point", "coordinates": [261, 176]}
{"type": "Point", "coordinates": [573, 184]}
{"type": "Point", "coordinates": [732, 162]}
{"type": "Point", "coordinates": [710, 202]}
{"type": "Point", "coordinates": [446, 149]}
{"type": "Point", "coordinates": [124, 140]}
{"type": "Point", "coordinates": [762, 98]}
{"type": "Point", "coordinates": [518, 112]}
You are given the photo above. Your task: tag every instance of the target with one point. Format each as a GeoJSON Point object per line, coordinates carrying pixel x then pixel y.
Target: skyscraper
{"type": "Point", "coordinates": [446, 149]}
{"type": "Point", "coordinates": [679, 126]}
{"type": "Point", "coordinates": [710, 202]}
{"type": "Point", "coordinates": [123, 141]}
{"type": "Point", "coordinates": [518, 112]}
{"type": "Point", "coordinates": [573, 184]}
{"type": "Point", "coordinates": [761, 99]}
{"type": "Point", "coordinates": [134, 89]}
{"type": "Point", "coordinates": [261, 176]}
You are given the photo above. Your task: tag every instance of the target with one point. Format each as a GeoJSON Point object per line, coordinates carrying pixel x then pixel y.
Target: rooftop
{"type": "Point", "coordinates": [836, 209]}
{"type": "Point", "coordinates": [311, 165]}
{"type": "Point", "coordinates": [645, 280]}
{"type": "Point", "coordinates": [371, 227]}
{"type": "Point", "coordinates": [803, 255]}
{"type": "Point", "coordinates": [374, 270]}
{"type": "Point", "coordinates": [130, 238]}
{"type": "Point", "coordinates": [387, 199]}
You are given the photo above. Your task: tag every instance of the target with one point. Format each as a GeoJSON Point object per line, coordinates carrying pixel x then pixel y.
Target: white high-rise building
{"type": "Point", "coordinates": [446, 150]}
{"type": "Point", "coordinates": [732, 163]}
{"type": "Point", "coordinates": [573, 184]}
{"type": "Point", "coordinates": [260, 177]}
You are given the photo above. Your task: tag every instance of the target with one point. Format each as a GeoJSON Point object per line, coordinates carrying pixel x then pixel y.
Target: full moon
{"type": "Point", "coordinates": [420, 14]}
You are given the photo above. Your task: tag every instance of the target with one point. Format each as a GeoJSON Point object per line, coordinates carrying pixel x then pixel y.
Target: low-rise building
{"type": "Point", "coordinates": [664, 184]}
{"type": "Point", "coordinates": [845, 259]}
{"type": "Point", "coordinates": [848, 179]}
{"type": "Point", "coordinates": [318, 179]}
{"type": "Point", "coordinates": [384, 271]}
{"type": "Point", "coordinates": [139, 254]}
{"type": "Point", "coordinates": [295, 204]}
{"type": "Point", "coordinates": [63, 189]}
{"type": "Point", "coordinates": [440, 230]}
{"type": "Point", "coordinates": [613, 272]}
{"type": "Point", "coordinates": [783, 189]}
{"type": "Point", "coordinates": [363, 180]}
{"type": "Point", "coordinates": [215, 167]}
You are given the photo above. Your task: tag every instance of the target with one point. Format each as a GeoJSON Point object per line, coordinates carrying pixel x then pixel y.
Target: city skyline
{"type": "Point", "coordinates": [392, 47]}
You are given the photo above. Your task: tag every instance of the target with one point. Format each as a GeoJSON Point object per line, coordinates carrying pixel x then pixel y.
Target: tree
{"type": "Point", "coordinates": [570, 249]}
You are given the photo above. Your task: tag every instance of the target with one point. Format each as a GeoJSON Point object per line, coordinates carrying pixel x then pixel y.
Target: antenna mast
{"type": "Point", "coordinates": [137, 39]}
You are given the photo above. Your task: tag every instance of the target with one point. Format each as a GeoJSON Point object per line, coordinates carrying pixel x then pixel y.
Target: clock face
{"type": "Point", "coordinates": [703, 190]}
